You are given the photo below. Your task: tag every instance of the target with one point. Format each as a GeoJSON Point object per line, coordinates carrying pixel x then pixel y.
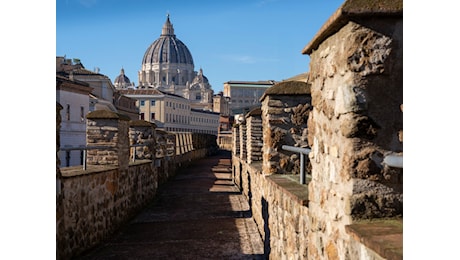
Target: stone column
{"type": "Point", "coordinates": [108, 131]}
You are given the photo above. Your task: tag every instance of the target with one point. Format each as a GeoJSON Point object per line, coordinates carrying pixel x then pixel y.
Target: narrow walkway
{"type": "Point", "coordinates": [200, 214]}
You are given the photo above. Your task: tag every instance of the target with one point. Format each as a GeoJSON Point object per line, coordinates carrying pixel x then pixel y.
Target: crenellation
{"type": "Point", "coordinates": [348, 112]}
{"type": "Point", "coordinates": [94, 202]}
{"type": "Point", "coordinates": [351, 119]}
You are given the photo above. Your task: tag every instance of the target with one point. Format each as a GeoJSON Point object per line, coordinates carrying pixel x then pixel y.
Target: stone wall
{"type": "Point", "coordinates": [278, 201]}
{"type": "Point", "coordinates": [236, 140]}
{"type": "Point", "coordinates": [142, 132]}
{"type": "Point", "coordinates": [94, 202]}
{"type": "Point", "coordinates": [285, 110]}
{"type": "Point", "coordinates": [356, 81]}
{"type": "Point", "coordinates": [107, 129]}
{"type": "Point", "coordinates": [278, 208]}
{"type": "Point", "coordinates": [97, 202]}
{"type": "Point", "coordinates": [352, 122]}
{"type": "Point", "coordinates": [243, 144]}
{"type": "Point", "coordinates": [254, 131]}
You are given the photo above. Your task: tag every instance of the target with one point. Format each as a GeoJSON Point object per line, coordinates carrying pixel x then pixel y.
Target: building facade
{"type": "Point", "coordinates": [172, 112]}
{"type": "Point", "coordinates": [244, 96]}
{"type": "Point", "coordinates": [104, 95]}
{"type": "Point", "coordinates": [80, 91]}
{"type": "Point", "coordinates": [73, 96]}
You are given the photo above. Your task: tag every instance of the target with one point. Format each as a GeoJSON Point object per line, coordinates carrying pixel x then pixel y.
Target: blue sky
{"type": "Point", "coordinates": [110, 34]}
{"type": "Point", "coordinates": [230, 40]}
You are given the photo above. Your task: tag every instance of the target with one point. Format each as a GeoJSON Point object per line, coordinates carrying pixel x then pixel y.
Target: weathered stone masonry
{"type": "Point", "coordinates": [354, 120]}
{"type": "Point", "coordinates": [91, 204]}
{"type": "Point", "coordinates": [356, 85]}
{"type": "Point", "coordinates": [278, 202]}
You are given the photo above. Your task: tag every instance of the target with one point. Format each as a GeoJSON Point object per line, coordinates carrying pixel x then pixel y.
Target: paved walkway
{"type": "Point", "coordinates": [200, 214]}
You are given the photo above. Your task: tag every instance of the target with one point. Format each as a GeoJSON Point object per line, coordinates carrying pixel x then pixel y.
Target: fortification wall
{"type": "Point", "coordinates": [352, 121]}
{"type": "Point", "coordinates": [120, 177]}
{"type": "Point", "coordinates": [278, 207]}
{"type": "Point", "coordinates": [356, 87]}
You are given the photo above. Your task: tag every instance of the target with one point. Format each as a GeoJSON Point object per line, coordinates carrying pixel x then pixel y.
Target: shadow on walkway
{"type": "Point", "coordinates": [200, 214]}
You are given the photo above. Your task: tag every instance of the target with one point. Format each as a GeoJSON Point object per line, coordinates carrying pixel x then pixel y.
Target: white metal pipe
{"type": "Point", "coordinates": [394, 160]}
{"type": "Point", "coordinates": [302, 152]}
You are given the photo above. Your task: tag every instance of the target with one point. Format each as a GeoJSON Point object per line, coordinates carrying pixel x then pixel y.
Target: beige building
{"type": "Point", "coordinates": [172, 112]}
{"type": "Point", "coordinates": [80, 91]}
{"type": "Point", "coordinates": [104, 95]}
{"type": "Point", "coordinates": [221, 104]}
{"type": "Point", "coordinates": [243, 96]}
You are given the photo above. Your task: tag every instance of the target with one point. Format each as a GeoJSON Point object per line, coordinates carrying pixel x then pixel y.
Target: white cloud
{"type": "Point", "coordinates": [246, 59]}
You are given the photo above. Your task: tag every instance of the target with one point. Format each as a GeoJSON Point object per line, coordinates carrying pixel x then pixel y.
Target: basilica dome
{"type": "Point", "coordinates": [121, 80]}
{"type": "Point", "coordinates": [167, 48]}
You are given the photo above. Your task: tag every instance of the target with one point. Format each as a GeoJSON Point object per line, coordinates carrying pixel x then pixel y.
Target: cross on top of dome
{"type": "Point", "coordinates": [168, 29]}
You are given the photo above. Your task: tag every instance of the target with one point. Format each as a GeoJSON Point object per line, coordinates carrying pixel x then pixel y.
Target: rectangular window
{"type": "Point", "coordinates": [81, 157]}
{"type": "Point", "coordinates": [67, 112]}
{"type": "Point", "coordinates": [142, 116]}
{"type": "Point", "coordinates": [198, 97]}
{"type": "Point", "coordinates": [67, 158]}
{"type": "Point", "coordinates": [153, 116]}
{"type": "Point", "coordinates": [142, 103]}
{"type": "Point", "coordinates": [82, 114]}
{"type": "Point", "coordinates": [152, 102]}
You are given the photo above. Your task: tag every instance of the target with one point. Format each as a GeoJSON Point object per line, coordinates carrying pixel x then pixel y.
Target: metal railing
{"type": "Point", "coordinates": [86, 148]}
{"type": "Point", "coordinates": [393, 160]}
{"type": "Point", "coordinates": [302, 152]}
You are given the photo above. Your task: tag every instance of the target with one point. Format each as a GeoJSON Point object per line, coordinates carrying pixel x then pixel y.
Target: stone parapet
{"type": "Point", "coordinates": [108, 132]}
{"type": "Point", "coordinates": [254, 130]}
{"type": "Point", "coordinates": [236, 140]}
{"type": "Point", "coordinates": [357, 92]}
{"type": "Point", "coordinates": [285, 111]}
{"type": "Point", "coordinates": [279, 208]}
{"type": "Point", "coordinates": [243, 138]}
{"type": "Point", "coordinates": [96, 202]}
{"type": "Point", "coordinates": [142, 133]}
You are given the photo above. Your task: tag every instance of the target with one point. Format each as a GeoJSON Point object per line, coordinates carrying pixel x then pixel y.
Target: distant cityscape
{"type": "Point", "coordinates": [169, 93]}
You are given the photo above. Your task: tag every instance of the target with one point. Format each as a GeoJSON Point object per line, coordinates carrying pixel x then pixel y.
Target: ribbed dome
{"type": "Point", "coordinates": [167, 48]}
{"type": "Point", "coordinates": [121, 79]}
